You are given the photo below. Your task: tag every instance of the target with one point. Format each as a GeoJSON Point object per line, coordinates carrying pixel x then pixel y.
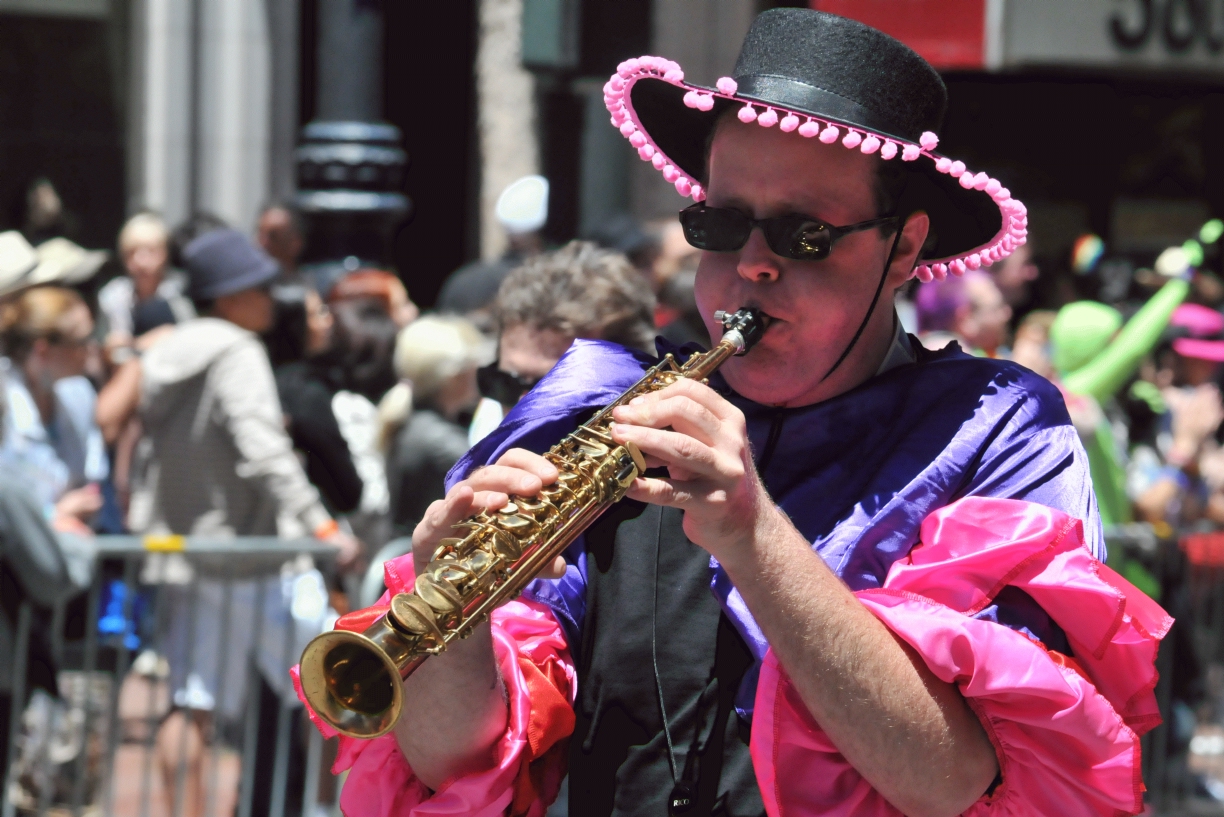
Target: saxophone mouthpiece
{"type": "Point", "coordinates": [744, 327]}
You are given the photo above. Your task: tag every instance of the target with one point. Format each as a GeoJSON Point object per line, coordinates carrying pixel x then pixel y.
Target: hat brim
{"type": "Point", "coordinates": [1200, 349]}
{"type": "Point", "coordinates": [974, 220]}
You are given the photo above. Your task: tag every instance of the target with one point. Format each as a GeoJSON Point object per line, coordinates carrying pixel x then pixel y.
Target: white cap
{"type": "Point", "coordinates": [523, 205]}
{"type": "Point", "coordinates": [61, 261]}
{"type": "Point", "coordinates": [17, 258]}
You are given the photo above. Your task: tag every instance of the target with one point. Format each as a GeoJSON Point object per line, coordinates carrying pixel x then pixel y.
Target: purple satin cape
{"type": "Point", "coordinates": [856, 474]}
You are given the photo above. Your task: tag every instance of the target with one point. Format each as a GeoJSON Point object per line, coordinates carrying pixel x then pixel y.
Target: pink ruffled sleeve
{"type": "Point", "coordinates": [530, 757]}
{"type": "Point", "coordinates": [1065, 729]}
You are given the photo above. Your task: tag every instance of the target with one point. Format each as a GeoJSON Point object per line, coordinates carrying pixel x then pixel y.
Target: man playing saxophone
{"type": "Point", "coordinates": [859, 577]}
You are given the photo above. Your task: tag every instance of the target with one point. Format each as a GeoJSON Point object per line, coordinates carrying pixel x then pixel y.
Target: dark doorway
{"type": "Point", "coordinates": [61, 119]}
{"type": "Point", "coordinates": [430, 93]}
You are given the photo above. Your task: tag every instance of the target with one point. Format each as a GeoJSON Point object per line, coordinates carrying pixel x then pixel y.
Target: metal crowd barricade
{"type": "Point", "coordinates": [1183, 758]}
{"type": "Point", "coordinates": [172, 625]}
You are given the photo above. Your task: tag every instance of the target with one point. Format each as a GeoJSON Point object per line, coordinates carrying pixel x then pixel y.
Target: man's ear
{"type": "Point", "coordinates": [913, 236]}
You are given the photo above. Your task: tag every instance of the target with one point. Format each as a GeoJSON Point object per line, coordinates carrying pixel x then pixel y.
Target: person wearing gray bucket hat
{"type": "Point", "coordinates": [226, 271]}
{"type": "Point", "coordinates": [896, 603]}
{"type": "Point", "coordinates": [216, 459]}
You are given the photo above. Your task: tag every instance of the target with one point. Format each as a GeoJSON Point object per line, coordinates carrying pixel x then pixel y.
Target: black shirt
{"type": "Point", "coordinates": [618, 754]}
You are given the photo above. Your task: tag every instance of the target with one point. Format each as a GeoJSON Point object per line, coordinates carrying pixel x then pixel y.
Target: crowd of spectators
{"type": "Point", "coordinates": [207, 384]}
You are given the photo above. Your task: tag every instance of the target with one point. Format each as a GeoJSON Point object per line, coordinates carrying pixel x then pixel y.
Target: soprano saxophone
{"type": "Point", "coordinates": [354, 680]}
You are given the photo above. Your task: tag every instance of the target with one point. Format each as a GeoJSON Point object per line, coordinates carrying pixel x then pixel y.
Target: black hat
{"type": "Point", "coordinates": [223, 262]}
{"type": "Point", "coordinates": [827, 77]}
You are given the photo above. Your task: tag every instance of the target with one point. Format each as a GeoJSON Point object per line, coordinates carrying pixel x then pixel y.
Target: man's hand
{"type": "Point", "coordinates": [516, 472]}
{"type": "Point", "coordinates": [703, 441]}
{"type": "Point", "coordinates": [439, 749]}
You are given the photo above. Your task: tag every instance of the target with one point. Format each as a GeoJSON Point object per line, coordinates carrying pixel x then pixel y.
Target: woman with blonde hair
{"type": "Point", "coordinates": [51, 441]}
{"type": "Point", "coordinates": [424, 418]}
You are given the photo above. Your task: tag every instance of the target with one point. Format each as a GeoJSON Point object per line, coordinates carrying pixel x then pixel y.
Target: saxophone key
{"type": "Point", "coordinates": [439, 595]}
{"type": "Point", "coordinates": [412, 615]}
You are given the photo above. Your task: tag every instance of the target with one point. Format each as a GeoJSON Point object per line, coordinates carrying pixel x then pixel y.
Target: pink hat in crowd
{"type": "Point", "coordinates": [1205, 329]}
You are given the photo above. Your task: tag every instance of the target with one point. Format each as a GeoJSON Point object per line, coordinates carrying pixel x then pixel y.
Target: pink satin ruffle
{"type": "Point", "coordinates": [540, 684]}
{"type": "Point", "coordinates": [1067, 741]}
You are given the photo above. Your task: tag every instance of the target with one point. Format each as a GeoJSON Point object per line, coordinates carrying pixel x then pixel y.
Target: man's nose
{"type": "Point", "coordinates": [757, 263]}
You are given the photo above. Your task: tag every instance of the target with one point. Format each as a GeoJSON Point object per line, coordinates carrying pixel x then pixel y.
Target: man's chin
{"type": "Point", "coordinates": [768, 379]}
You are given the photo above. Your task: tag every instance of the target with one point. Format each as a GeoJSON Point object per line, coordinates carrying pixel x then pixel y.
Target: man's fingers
{"type": "Point", "coordinates": [672, 448]}
{"type": "Point", "coordinates": [666, 492]}
{"type": "Point", "coordinates": [555, 570]}
{"type": "Point", "coordinates": [489, 501]}
{"type": "Point", "coordinates": [530, 462]}
{"type": "Point", "coordinates": [443, 514]}
{"type": "Point", "coordinates": [678, 411]}
{"type": "Point", "coordinates": [506, 479]}
{"type": "Point", "coordinates": [699, 392]}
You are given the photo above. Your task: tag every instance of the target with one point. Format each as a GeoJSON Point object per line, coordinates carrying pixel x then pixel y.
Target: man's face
{"type": "Point", "coordinates": [530, 352]}
{"type": "Point", "coordinates": [1015, 274]}
{"type": "Point", "coordinates": [816, 306]}
{"type": "Point", "coordinates": [252, 309]}
{"type": "Point", "coordinates": [279, 238]}
{"type": "Point", "coordinates": [986, 324]}
{"type": "Point", "coordinates": [145, 259]}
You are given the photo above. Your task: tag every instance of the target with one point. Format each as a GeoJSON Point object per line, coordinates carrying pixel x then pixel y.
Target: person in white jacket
{"type": "Point", "coordinates": [217, 461]}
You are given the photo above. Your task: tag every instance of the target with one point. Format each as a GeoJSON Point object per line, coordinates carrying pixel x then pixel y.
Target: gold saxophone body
{"type": "Point", "coordinates": [354, 681]}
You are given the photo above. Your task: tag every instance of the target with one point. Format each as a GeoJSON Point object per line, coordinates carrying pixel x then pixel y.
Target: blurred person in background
{"type": "Point", "coordinates": [1031, 347]}
{"type": "Point", "coordinates": [194, 226]}
{"type": "Point", "coordinates": [1014, 276]}
{"type": "Point", "coordinates": [359, 366]}
{"type": "Point", "coordinates": [1176, 473]}
{"type": "Point", "coordinates": [281, 232]}
{"type": "Point", "coordinates": [425, 418]}
{"type": "Point", "coordinates": [578, 291]}
{"type": "Point", "coordinates": [44, 216]}
{"type": "Point", "coordinates": [968, 309]}
{"type": "Point", "coordinates": [297, 349]}
{"type": "Point", "coordinates": [51, 441]}
{"type": "Point", "coordinates": [229, 470]}
{"type": "Point", "coordinates": [522, 211]}
{"type": "Point", "coordinates": [381, 286]}
{"type": "Point", "coordinates": [148, 285]}
{"type": "Point", "coordinates": [644, 248]}
{"type": "Point", "coordinates": [216, 461]}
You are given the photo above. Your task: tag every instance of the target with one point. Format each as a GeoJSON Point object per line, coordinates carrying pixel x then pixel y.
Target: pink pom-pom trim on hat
{"type": "Point", "coordinates": [1013, 231]}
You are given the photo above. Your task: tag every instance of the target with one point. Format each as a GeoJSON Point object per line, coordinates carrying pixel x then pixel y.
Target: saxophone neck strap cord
{"type": "Point", "coordinates": [684, 793]}
{"type": "Point", "coordinates": [874, 300]}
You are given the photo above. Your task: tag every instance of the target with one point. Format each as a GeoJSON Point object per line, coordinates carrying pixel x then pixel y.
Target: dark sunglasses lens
{"type": "Point", "coordinates": [798, 237]}
{"type": "Point", "coordinates": [499, 385]}
{"type": "Point", "coordinates": [715, 229]}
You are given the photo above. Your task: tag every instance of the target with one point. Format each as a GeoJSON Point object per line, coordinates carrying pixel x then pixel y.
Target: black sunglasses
{"type": "Point", "coordinates": [505, 387]}
{"type": "Point", "coordinates": [800, 237]}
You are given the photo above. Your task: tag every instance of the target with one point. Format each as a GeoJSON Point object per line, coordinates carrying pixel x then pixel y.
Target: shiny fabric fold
{"type": "Point", "coordinates": [855, 474]}
{"type": "Point", "coordinates": [1065, 729]}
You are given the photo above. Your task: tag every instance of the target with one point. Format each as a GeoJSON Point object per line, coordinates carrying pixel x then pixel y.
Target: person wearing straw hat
{"type": "Point", "coordinates": [863, 578]}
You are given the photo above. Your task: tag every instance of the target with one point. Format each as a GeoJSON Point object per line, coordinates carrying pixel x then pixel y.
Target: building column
{"type": "Point", "coordinates": [506, 118]}
{"type": "Point", "coordinates": [203, 102]}
{"type": "Point", "coordinates": [704, 36]}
